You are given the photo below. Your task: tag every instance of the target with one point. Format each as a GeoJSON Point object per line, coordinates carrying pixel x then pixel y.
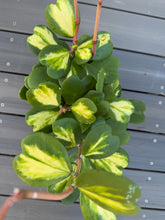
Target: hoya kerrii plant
{"type": "Point", "coordinates": [79, 120]}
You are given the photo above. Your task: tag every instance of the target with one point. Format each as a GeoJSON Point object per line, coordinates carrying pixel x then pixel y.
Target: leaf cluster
{"type": "Point", "coordinates": [76, 101]}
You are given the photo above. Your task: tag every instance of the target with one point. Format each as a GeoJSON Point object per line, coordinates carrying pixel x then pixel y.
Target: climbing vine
{"type": "Point", "coordinates": [79, 120]}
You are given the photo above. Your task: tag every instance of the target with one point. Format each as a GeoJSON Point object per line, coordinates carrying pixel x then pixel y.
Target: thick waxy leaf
{"type": "Point", "coordinates": [71, 198]}
{"type": "Point", "coordinates": [114, 193]}
{"type": "Point", "coordinates": [41, 119]}
{"type": "Point", "coordinates": [112, 90]}
{"type": "Point", "coordinates": [91, 210]}
{"type": "Point", "coordinates": [83, 55]}
{"type": "Point", "coordinates": [57, 60]}
{"type": "Point", "coordinates": [22, 92]}
{"type": "Point", "coordinates": [42, 37]}
{"type": "Point", "coordinates": [138, 116]}
{"type": "Point", "coordinates": [44, 160]}
{"type": "Point", "coordinates": [113, 164]}
{"type": "Point", "coordinates": [46, 95]}
{"type": "Point", "coordinates": [76, 70]}
{"type": "Point", "coordinates": [39, 75]}
{"type": "Point", "coordinates": [61, 185]}
{"type": "Point", "coordinates": [98, 98]}
{"type": "Point", "coordinates": [74, 88]}
{"type": "Point", "coordinates": [120, 130]}
{"type": "Point", "coordinates": [121, 110]}
{"type": "Point", "coordinates": [100, 81]}
{"type": "Point", "coordinates": [109, 66]}
{"type": "Point", "coordinates": [104, 47]}
{"type": "Point", "coordinates": [61, 17]}
{"type": "Point", "coordinates": [68, 131]}
{"type": "Point", "coordinates": [100, 143]}
{"type": "Point", "coordinates": [84, 110]}
{"type": "Point", "coordinates": [84, 38]}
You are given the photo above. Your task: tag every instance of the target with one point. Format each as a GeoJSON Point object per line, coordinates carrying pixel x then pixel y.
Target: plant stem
{"type": "Point", "coordinates": [94, 41]}
{"type": "Point", "coordinates": [78, 160]}
{"type": "Point", "coordinates": [77, 22]}
{"type": "Point", "coordinates": [19, 195]}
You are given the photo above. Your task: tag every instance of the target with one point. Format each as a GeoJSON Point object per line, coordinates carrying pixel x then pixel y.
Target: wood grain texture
{"type": "Point", "coordinates": [135, 31]}
{"type": "Point", "coordinates": [154, 110]}
{"type": "Point", "coordinates": [143, 72]}
{"type": "Point", "coordinates": [32, 210]}
{"type": "Point", "coordinates": [146, 151]}
{"type": "Point", "coordinates": [156, 199]}
{"type": "Point", "coordinates": [147, 7]}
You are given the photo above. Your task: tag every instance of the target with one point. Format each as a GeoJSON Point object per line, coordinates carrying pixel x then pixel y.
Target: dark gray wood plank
{"type": "Point", "coordinates": [148, 181]}
{"type": "Point", "coordinates": [143, 72]}
{"type": "Point", "coordinates": [23, 16]}
{"type": "Point", "coordinates": [146, 151]}
{"type": "Point", "coordinates": [10, 103]}
{"type": "Point", "coordinates": [147, 7]}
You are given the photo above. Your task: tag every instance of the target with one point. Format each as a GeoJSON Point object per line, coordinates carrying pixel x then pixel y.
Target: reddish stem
{"type": "Point", "coordinates": [27, 194]}
{"type": "Point", "coordinates": [94, 41]}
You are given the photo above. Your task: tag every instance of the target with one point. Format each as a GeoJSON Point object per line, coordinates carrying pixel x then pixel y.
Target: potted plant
{"type": "Point", "coordinates": [79, 120]}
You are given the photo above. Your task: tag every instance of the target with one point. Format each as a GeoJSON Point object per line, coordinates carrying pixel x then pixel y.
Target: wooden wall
{"type": "Point", "coordinates": [137, 29]}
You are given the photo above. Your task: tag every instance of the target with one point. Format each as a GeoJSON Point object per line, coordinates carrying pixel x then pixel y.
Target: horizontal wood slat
{"type": "Point", "coordinates": [146, 151]}
{"type": "Point", "coordinates": [155, 109]}
{"type": "Point", "coordinates": [135, 31]}
{"type": "Point", "coordinates": [156, 199]}
{"type": "Point", "coordinates": [147, 7]}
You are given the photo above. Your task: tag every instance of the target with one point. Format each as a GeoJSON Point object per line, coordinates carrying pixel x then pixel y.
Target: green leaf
{"type": "Point", "coordinates": [71, 198]}
{"type": "Point", "coordinates": [46, 95]}
{"type": "Point", "coordinates": [61, 17]}
{"type": "Point", "coordinates": [38, 76]}
{"type": "Point", "coordinates": [138, 116]}
{"type": "Point", "coordinates": [121, 110]}
{"type": "Point", "coordinates": [41, 119]}
{"type": "Point", "coordinates": [57, 60]}
{"type": "Point", "coordinates": [120, 130]}
{"type": "Point", "coordinates": [112, 91]}
{"type": "Point", "coordinates": [113, 164]}
{"type": "Point", "coordinates": [91, 210]}
{"type": "Point", "coordinates": [104, 47]}
{"type": "Point", "coordinates": [42, 37]}
{"type": "Point", "coordinates": [44, 160]}
{"type": "Point", "coordinates": [114, 193]}
{"type": "Point", "coordinates": [84, 110]}
{"type": "Point", "coordinates": [22, 93]}
{"type": "Point", "coordinates": [98, 98]}
{"type": "Point", "coordinates": [74, 88]}
{"type": "Point", "coordinates": [100, 81]}
{"type": "Point", "coordinates": [100, 143]}
{"type": "Point", "coordinates": [76, 70]}
{"type": "Point", "coordinates": [60, 186]}
{"type": "Point", "coordinates": [84, 38]}
{"type": "Point", "coordinates": [109, 66]}
{"type": "Point", "coordinates": [83, 55]}
{"type": "Point", "coordinates": [67, 131]}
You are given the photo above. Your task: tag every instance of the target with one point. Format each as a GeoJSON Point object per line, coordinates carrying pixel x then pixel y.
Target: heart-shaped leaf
{"type": "Point", "coordinates": [44, 160]}
{"type": "Point", "coordinates": [61, 17]}
{"type": "Point", "coordinates": [46, 95]}
{"type": "Point", "coordinates": [67, 131]}
{"type": "Point", "coordinates": [100, 143]}
{"type": "Point", "coordinates": [138, 116]}
{"type": "Point", "coordinates": [104, 46]}
{"type": "Point", "coordinates": [84, 110]}
{"type": "Point", "coordinates": [42, 37]}
{"type": "Point", "coordinates": [39, 75]}
{"type": "Point", "coordinates": [121, 110]}
{"type": "Point", "coordinates": [57, 60]}
{"type": "Point", "coordinates": [91, 210]}
{"type": "Point", "coordinates": [113, 164]}
{"type": "Point", "coordinates": [120, 130]}
{"type": "Point", "coordinates": [114, 193]}
{"type": "Point", "coordinates": [41, 119]}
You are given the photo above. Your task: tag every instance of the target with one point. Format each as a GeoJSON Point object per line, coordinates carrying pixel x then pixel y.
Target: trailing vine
{"type": "Point", "coordinates": [79, 120]}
